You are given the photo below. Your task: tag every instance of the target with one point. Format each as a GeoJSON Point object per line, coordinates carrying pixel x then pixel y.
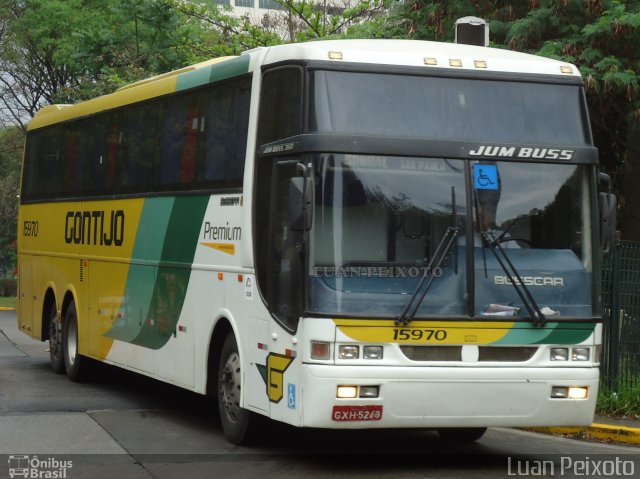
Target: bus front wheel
{"type": "Point", "coordinates": [75, 364]}
{"type": "Point", "coordinates": [462, 434]}
{"type": "Point", "coordinates": [55, 341]}
{"type": "Point", "coordinates": [239, 425]}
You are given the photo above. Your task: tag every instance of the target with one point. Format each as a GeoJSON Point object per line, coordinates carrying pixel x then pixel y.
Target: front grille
{"type": "Point", "coordinates": [513, 354]}
{"type": "Point", "coordinates": [432, 353]}
{"type": "Point", "coordinates": [506, 353]}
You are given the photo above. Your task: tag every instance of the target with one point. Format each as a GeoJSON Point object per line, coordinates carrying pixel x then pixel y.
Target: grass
{"type": "Point", "coordinates": [625, 402]}
{"type": "Point", "coordinates": [7, 302]}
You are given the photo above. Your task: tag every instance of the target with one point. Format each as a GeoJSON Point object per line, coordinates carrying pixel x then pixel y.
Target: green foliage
{"type": "Point", "coordinates": [10, 155]}
{"type": "Point", "coordinates": [306, 20]}
{"type": "Point", "coordinates": [8, 287]}
{"type": "Point", "coordinates": [599, 36]}
{"type": "Point", "coordinates": [624, 402]}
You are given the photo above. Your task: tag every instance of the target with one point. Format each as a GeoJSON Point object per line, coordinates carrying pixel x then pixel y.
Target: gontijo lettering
{"type": "Point", "coordinates": [94, 227]}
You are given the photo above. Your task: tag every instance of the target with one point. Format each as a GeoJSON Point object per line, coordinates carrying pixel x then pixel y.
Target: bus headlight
{"type": "Point", "coordinates": [347, 392]}
{"type": "Point", "coordinates": [348, 352]}
{"type": "Point", "coordinates": [580, 354]}
{"type": "Point", "coordinates": [566, 392]}
{"type": "Point", "coordinates": [372, 352]}
{"type": "Point", "coordinates": [559, 354]}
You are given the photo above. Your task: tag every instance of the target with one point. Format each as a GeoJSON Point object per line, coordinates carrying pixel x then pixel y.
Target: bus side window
{"type": "Point", "coordinates": [49, 164]}
{"type": "Point", "coordinates": [100, 169]}
{"type": "Point", "coordinates": [137, 147]}
{"type": "Point", "coordinates": [223, 125]}
{"type": "Point", "coordinates": [180, 124]}
{"type": "Point", "coordinates": [280, 104]}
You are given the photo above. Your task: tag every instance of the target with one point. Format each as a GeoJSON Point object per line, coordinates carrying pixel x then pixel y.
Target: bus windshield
{"type": "Point", "coordinates": [379, 219]}
{"type": "Point", "coordinates": [438, 108]}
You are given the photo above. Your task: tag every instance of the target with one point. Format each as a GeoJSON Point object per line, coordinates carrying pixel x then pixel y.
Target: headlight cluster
{"type": "Point", "coordinates": [575, 354]}
{"type": "Point", "coordinates": [321, 350]}
{"type": "Point", "coordinates": [349, 351]}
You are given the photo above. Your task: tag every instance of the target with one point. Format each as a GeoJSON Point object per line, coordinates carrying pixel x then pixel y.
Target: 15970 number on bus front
{"type": "Point", "coordinates": [419, 334]}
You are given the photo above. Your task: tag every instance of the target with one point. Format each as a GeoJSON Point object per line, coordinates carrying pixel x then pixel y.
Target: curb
{"type": "Point", "coordinates": [621, 434]}
{"type": "Point", "coordinates": [2, 308]}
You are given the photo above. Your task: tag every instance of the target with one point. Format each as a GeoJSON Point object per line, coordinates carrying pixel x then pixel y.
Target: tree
{"type": "Point", "coordinates": [10, 155]}
{"type": "Point", "coordinates": [309, 19]}
{"type": "Point", "coordinates": [599, 36]}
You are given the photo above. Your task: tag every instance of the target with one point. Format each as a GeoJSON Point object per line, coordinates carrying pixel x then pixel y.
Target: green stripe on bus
{"type": "Point", "coordinates": [174, 271]}
{"type": "Point", "coordinates": [137, 306]}
{"type": "Point", "coordinates": [556, 333]}
{"type": "Point", "coordinates": [213, 73]}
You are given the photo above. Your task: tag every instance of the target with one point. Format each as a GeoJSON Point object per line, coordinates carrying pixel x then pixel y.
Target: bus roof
{"type": "Point", "coordinates": [384, 52]}
{"type": "Point", "coordinates": [420, 53]}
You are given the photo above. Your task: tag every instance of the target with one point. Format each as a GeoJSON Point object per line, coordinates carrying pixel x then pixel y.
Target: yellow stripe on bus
{"type": "Point", "coordinates": [424, 332]}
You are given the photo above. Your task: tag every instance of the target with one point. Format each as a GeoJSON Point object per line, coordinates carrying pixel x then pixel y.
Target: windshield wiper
{"type": "Point", "coordinates": [447, 241]}
{"type": "Point", "coordinates": [537, 317]}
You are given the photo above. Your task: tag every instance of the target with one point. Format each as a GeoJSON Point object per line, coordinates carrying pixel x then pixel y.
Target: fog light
{"type": "Point", "coordinates": [559, 392]}
{"type": "Point", "coordinates": [369, 391]}
{"type": "Point", "coordinates": [559, 354]}
{"type": "Point", "coordinates": [320, 350]}
{"type": "Point", "coordinates": [372, 352]}
{"type": "Point", "coordinates": [346, 392]}
{"type": "Point", "coordinates": [580, 354]}
{"type": "Point", "coordinates": [348, 352]}
{"type": "Point", "coordinates": [578, 393]}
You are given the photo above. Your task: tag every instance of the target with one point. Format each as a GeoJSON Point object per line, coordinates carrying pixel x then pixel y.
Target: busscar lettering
{"type": "Point", "coordinates": [530, 281]}
{"type": "Point", "coordinates": [492, 151]}
{"type": "Point", "coordinates": [99, 228]}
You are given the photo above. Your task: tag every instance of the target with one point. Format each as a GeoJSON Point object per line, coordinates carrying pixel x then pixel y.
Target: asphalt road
{"type": "Point", "coordinates": [128, 426]}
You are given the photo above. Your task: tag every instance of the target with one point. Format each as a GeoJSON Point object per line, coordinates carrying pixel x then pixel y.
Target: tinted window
{"type": "Point", "coordinates": [280, 104]}
{"type": "Point", "coordinates": [191, 140]}
{"type": "Point", "coordinates": [446, 108]}
{"type": "Point", "coordinates": [223, 134]}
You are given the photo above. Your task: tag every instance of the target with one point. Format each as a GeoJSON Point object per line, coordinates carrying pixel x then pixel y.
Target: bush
{"type": "Point", "coordinates": [623, 403]}
{"type": "Point", "coordinates": [8, 287]}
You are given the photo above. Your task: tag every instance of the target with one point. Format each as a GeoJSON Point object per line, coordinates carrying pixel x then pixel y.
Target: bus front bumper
{"type": "Point", "coordinates": [428, 397]}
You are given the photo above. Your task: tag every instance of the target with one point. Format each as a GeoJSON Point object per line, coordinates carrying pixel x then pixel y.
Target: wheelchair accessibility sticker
{"type": "Point", "coordinates": [485, 177]}
{"type": "Point", "coordinates": [291, 396]}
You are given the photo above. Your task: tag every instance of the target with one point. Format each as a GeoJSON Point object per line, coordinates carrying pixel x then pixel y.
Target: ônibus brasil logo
{"type": "Point", "coordinates": [35, 468]}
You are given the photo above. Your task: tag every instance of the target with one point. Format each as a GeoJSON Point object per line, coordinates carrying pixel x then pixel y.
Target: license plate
{"type": "Point", "coordinates": [357, 413]}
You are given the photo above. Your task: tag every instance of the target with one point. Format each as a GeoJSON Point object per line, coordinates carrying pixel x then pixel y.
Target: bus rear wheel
{"type": "Point", "coordinates": [75, 364]}
{"type": "Point", "coordinates": [56, 356]}
{"type": "Point", "coordinates": [239, 425]}
{"type": "Point", "coordinates": [462, 434]}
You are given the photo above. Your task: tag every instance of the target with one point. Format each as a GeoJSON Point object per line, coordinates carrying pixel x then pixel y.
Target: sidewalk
{"type": "Point", "coordinates": [624, 431]}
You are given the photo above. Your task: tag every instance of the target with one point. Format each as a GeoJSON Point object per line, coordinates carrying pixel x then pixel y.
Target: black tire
{"type": "Point", "coordinates": [75, 364]}
{"type": "Point", "coordinates": [56, 356]}
{"type": "Point", "coordinates": [240, 426]}
{"type": "Point", "coordinates": [462, 434]}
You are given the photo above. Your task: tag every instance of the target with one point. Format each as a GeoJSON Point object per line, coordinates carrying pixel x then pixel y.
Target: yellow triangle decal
{"type": "Point", "coordinates": [228, 248]}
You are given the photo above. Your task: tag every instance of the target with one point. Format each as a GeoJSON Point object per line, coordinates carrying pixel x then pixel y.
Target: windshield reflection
{"type": "Point", "coordinates": [378, 220]}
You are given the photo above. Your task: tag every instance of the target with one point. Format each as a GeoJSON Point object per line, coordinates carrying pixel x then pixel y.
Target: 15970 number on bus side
{"type": "Point", "coordinates": [412, 334]}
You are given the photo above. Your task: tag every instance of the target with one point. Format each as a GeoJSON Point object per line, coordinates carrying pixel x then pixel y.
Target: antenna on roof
{"type": "Point", "coordinates": [472, 31]}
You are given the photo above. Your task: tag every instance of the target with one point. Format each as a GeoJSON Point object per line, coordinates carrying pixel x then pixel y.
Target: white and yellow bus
{"type": "Point", "coordinates": [286, 231]}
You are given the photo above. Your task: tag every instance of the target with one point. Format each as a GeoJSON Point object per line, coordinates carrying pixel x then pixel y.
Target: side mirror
{"type": "Point", "coordinates": [608, 211]}
{"type": "Point", "coordinates": [301, 201]}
